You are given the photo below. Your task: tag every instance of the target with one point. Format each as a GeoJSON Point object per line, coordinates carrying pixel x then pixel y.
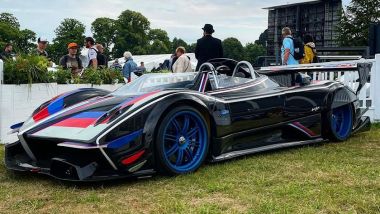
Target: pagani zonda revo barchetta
{"type": "Point", "coordinates": [175, 122]}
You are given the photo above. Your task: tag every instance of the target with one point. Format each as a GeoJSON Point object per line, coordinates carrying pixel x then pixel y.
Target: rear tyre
{"type": "Point", "coordinates": [340, 122]}
{"type": "Point", "coordinates": [182, 141]}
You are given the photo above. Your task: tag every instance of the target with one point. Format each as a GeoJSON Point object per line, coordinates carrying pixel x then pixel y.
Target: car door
{"type": "Point", "coordinates": [256, 110]}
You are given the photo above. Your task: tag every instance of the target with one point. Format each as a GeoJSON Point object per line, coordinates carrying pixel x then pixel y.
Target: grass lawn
{"type": "Point", "coordinates": [329, 178]}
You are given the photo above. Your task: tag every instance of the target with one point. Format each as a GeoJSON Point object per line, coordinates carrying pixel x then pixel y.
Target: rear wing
{"type": "Point", "coordinates": [359, 72]}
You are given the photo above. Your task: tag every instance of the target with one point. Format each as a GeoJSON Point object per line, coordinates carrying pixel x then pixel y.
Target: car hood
{"type": "Point", "coordinates": [85, 120]}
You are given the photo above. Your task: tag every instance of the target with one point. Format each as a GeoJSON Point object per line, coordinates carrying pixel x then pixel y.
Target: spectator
{"type": "Point", "coordinates": [41, 47]}
{"type": "Point", "coordinates": [7, 53]}
{"type": "Point", "coordinates": [71, 60]}
{"type": "Point", "coordinates": [183, 62]}
{"type": "Point", "coordinates": [129, 66]}
{"type": "Point", "coordinates": [310, 51]}
{"type": "Point", "coordinates": [172, 60]}
{"type": "Point", "coordinates": [102, 59]}
{"type": "Point", "coordinates": [92, 52]}
{"type": "Point", "coordinates": [116, 65]}
{"type": "Point", "coordinates": [287, 49]}
{"type": "Point", "coordinates": [141, 68]}
{"type": "Point", "coordinates": [208, 47]}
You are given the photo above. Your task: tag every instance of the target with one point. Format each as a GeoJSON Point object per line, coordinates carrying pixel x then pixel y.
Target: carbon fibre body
{"type": "Point", "coordinates": [113, 136]}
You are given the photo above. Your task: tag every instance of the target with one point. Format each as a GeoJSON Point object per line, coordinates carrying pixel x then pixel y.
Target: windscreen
{"type": "Point", "coordinates": [153, 82]}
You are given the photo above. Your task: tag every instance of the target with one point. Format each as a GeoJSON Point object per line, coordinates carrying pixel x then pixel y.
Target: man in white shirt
{"type": "Point", "coordinates": [182, 64]}
{"type": "Point", "coordinates": [92, 52]}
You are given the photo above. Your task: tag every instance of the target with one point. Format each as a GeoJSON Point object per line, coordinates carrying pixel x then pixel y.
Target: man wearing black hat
{"type": "Point", "coordinates": [208, 47]}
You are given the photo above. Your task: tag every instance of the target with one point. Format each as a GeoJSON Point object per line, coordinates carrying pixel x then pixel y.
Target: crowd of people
{"type": "Point", "coordinates": [293, 52]}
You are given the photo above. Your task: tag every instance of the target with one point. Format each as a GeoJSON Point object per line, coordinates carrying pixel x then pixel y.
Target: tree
{"type": "Point", "coordinates": [22, 40]}
{"type": "Point", "coordinates": [253, 51]}
{"type": "Point", "coordinates": [354, 24]}
{"type": "Point", "coordinates": [70, 30]}
{"type": "Point", "coordinates": [159, 42]}
{"type": "Point", "coordinates": [9, 19]}
{"type": "Point", "coordinates": [158, 47]}
{"type": "Point", "coordinates": [263, 38]}
{"type": "Point", "coordinates": [104, 31]}
{"type": "Point", "coordinates": [132, 33]}
{"type": "Point", "coordinates": [191, 48]}
{"type": "Point", "coordinates": [177, 42]}
{"type": "Point", "coordinates": [233, 49]}
{"type": "Point", "coordinates": [26, 40]}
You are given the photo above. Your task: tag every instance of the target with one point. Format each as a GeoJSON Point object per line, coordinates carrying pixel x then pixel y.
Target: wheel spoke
{"type": "Point", "coordinates": [185, 124]}
{"type": "Point", "coordinates": [194, 144]}
{"type": "Point", "coordinates": [176, 125]}
{"type": "Point", "coordinates": [172, 150]}
{"type": "Point", "coordinates": [171, 137]}
{"type": "Point", "coordinates": [192, 132]}
{"type": "Point", "coordinates": [189, 153]}
{"type": "Point", "coordinates": [179, 157]}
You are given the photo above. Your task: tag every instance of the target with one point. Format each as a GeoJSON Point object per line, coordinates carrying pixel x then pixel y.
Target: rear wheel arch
{"type": "Point", "coordinates": [338, 99]}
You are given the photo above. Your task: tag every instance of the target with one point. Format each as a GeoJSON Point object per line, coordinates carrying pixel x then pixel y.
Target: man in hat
{"type": "Point", "coordinates": [41, 47]}
{"type": "Point", "coordinates": [71, 60]}
{"type": "Point", "coordinates": [208, 47]}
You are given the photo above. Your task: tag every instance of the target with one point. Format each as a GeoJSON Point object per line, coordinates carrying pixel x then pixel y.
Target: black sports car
{"type": "Point", "coordinates": [174, 122]}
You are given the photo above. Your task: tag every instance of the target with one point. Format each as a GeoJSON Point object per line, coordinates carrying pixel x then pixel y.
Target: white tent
{"type": "Point", "coordinates": [150, 61]}
{"type": "Point", "coordinates": [153, 61]}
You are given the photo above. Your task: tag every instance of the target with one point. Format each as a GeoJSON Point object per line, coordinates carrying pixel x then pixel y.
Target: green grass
{"type": "Point", "coordinates": [329, 178]}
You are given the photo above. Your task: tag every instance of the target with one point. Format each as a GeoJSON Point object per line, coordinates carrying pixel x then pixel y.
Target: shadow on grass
{"type": "Point", "coordinates": [28, 178]}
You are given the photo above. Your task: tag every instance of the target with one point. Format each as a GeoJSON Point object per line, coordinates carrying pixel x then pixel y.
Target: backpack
{"type": "Point", "coordinates": [299, 49]}
{"type": "Point", "coordinates": [315, 58]}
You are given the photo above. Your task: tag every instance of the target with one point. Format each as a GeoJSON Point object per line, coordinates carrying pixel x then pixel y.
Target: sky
{"type": "Point", "coordinates": [243, 19]}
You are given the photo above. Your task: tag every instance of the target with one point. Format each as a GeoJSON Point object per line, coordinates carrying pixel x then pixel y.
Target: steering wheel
{"type": "Point", "coordinates": [250, 68]}
{"type": "Point", "coordinates": [221, 69]}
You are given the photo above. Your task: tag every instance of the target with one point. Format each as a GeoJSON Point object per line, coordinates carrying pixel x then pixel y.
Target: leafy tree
{"type": "Point", "coordinates": [70, 30]}
{"type": "Point", "coordinates": [132, 33]}
{"type": "Point", "coordinates": [233, 49]}
{"type": "Point", "coordinates": [26, 40]}
{"type": "Point", "coordinates": [161, 35]}
{"type": "Point", "coordinates": [159, 42]}
{"type": "Point", "coordinates": [9, 19]}
{"type": "Point", "coordinates": [104, 31]}
{"type": "Point", "coordinates": [191, 48]}
{"type": "Point", "coordinates": [263, 38]}
{"type": "Point", "coordinates": [178, 42]}
{"type": "Point", "coordinates": [10, 32]}
{"type": "Point", "coordinates": [158, 47]}
{"type": "Point", "coordinates": [354, 25]}
{"type": "Point", "coordinates": [253, 51]}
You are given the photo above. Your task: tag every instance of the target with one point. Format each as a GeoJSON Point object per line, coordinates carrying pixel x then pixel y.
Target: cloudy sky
{"type": "Point", "coordinates": [243, 19]}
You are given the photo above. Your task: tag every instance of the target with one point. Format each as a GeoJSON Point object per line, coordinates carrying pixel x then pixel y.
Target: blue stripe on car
{"type": "Point", "coordinates": [89, 114]}
{"type": "Point", "coordinates": [124, 140]}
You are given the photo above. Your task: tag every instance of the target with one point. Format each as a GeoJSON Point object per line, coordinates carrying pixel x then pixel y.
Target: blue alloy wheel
{"type": "Point", "coordinates": [341, 122]}
{"type": "Point", "coordinates": [184, 141]}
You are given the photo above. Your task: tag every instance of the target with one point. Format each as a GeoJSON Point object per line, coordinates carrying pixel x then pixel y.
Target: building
{"type": "Point", "coordinates": [317, 18]}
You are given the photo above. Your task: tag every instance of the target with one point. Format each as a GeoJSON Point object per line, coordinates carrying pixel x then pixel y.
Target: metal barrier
{"type": "Point", "coordinates": [346, 72]}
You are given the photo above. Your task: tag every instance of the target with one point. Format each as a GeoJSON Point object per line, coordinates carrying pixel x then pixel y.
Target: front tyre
{"type": "Point", "coordinates": [340, 123]}
{"type": "Point", "coordinates": [182, 141]}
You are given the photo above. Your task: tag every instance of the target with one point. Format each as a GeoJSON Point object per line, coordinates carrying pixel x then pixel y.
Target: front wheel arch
{"type": "Point", "coordinates": [163, 164]}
